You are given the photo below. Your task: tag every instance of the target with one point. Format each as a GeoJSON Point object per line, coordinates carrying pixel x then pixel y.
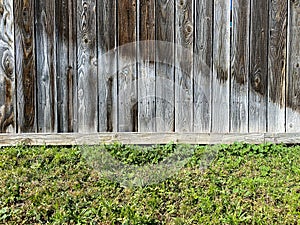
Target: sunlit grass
{"type": "Point", "coordinates": [245, 184]}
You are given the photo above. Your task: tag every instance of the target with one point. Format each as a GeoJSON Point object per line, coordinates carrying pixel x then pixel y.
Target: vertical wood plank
{"type": "Point", "coordinates": [127, 77]}
{"type": "Point", "coordinates": [165, 32]}
{"type": "Point", "coordinates": [45, 66]}
{"type": "Point", "coordinates": [66, 65]}
{"type": "Point", "coordinates": [87, 66]}
{"type": "Point", "coordinates": [293, 85]}
{"type": "Point", "coordinates": [146, 67]}
{"type": "Point", "coordinates": [25, 65]}
{"type": "Point", "coordinates": [72, 69]}
{"type": "Point", "coordinates": [258, 66]}
{"type": "Point", "coordinates": [62, 64]}
{"type": "Point", "coordinates": [107, 69]}
{"type": "Point", "coordinates": [7, 68]}
{"type": "Point", "coordinates": [184, 66]}
{"type": "Point", "coordinates": [221, 63]}
{"type": "Point", "coordinates": [203, 65]}
{"type": "Point", "coordinates": [277, 65]}
{"type": "Point", "coordinates": [188, 94]}
{"type": "Point", "coordinates": [239, 66]}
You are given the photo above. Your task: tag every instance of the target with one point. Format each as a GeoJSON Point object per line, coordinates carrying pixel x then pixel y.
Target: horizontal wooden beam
{"type": "Point", "coordinates": [146, 138]}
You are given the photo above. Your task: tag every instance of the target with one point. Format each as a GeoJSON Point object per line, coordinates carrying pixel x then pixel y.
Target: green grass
{"type": "Point", "coordinates": [245, 184]}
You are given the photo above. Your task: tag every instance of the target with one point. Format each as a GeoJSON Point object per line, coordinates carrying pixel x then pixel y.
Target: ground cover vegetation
{"type": "Point", "coordinates": [244, 184]}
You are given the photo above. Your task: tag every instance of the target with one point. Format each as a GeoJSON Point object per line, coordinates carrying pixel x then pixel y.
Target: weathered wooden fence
{"type": "Point", "coordinates": [86, 66]}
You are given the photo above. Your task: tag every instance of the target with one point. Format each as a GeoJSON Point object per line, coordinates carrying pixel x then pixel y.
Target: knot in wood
{"type": "Point", "coordinates": [85, 6]}
{"type": "Point", "coordinates": [25, 13]}
{"type": "Point", "coordinates": [188, 29]}
{"type": "Point", "coordinates": [133, 4]}
{"type": "Point", "coordinates": [8, 67]}
{"type": "Point", "coordinates": [257, 80]}
{"type": "Point", "coordinates": [257, 84]}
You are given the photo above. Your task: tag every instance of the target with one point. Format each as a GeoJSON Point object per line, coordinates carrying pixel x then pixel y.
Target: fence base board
{"type": "Point", "coordinates": [146, 138]}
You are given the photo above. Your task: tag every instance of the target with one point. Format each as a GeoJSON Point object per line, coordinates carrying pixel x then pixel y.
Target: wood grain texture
{"type": "Point", "coordinates": [165, 36]}
{"type": "Point", "coordinates": [25, 65]}
{"type": "Point", "coordinates": [286, 138]}
{"type": "Point", "coordinates": [87, 66]}
{"type": "Point", "coordinates": [62, 18]}
{"type": "Point", "coordinates": [7, 68]}
{"type": "Point", "coordinates": [258, 66]}
{"type": "Point", "coordinates": [68, 139]}
{"type": "Point", "coordinates": [239, 66]}
{"type": "Point", "coordinates": [72, 68]}
{"type": "Point", "coordinates": [277, 65]}
{"type": "Point", "coordinates": [143, 138]}
{"type": "Point", "coordinates": [183, 66]}
{"type": "Point", "coordinates": [221, 64]}
{"type": "Point", "coordinates": [203, 48]}
{"type": "Point", "coordinates": [146, 66]}
{"type": "Point", "coordinates": [293, 84]}
{"type": "Point", "coordinates": [127, 71]}
{"type": "Point", "coordinates": [45, 66]}
{"type": "Point", "coordinates": [107, 69]}
{"type": "Point", "coordinates": [66, 80]}
{"type": "Point", "coordinates": [75, 66]}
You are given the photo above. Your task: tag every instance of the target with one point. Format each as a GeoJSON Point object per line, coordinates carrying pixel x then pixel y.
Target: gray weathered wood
{"type": "Point", "coordinates": [87, 66]}
{"type": "Point", "coordinates": [127, 77]}
{"type": "Point", "coordinates": [165, 35]}
{"type": "Point", "coordinates": [146, 66]}
{"type": "Point", "coordinates": [75, 66]}
{"type": "Point", "coordinates": [7, 68]}
{"type": "Point", "coordinates": [45, 66]}
{"type": "Point", "coordinates": [239, 66]}
{"type": "Point", "coordinates": [107, 69]}
{"type": "Point", "coordinates": [184, 66]}
{"type": "Point", "coordinates": [147, 138]}
{"type": "Point", "coordinates": [258, 66]}
{"type": "Point", "coordinates": [203, 65]}
{"type": "Point", "coordinates": [62, 18]}
{"type": "Point", "coordinates": [66, 82]}
{"type": "Point", "coordinates": [72, 69]}
{"type": "Point", "coordinates": [143, 138]}
{"type": "Point", "coordinates": [25, 65]}
{"type": "Point", "coordinates": [221, 64]}
{"type": "Point", "coordinates": [286, 138]}
{"type": "Point", "coordinates": [277, 65]}
{"type": "Point", "coordinates": [293, 84]}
